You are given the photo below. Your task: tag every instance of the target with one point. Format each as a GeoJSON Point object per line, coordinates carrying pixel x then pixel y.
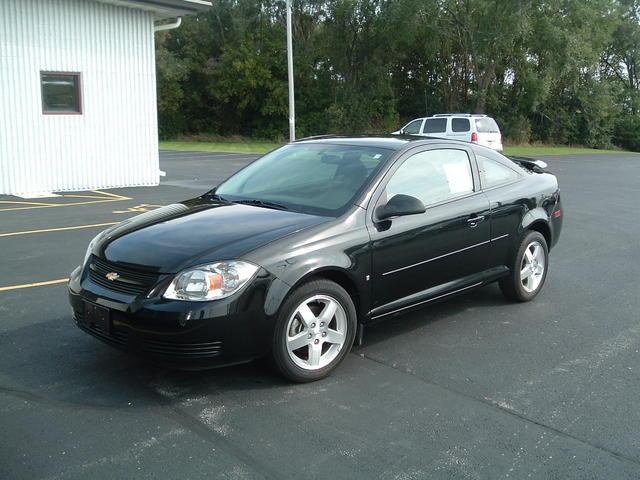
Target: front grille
{"type": "Point", "coordinates": [128, 281]}
{"type": "Point", "coordinates": [120, 337]}
{"type": "Point", "coordinates": [115, 337]}
{"type": "Point", "coordinates": [186, 350]}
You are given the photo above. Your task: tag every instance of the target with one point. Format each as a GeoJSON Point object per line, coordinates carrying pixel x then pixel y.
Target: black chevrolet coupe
{"type": "Point", "coordinates": [294, 254]}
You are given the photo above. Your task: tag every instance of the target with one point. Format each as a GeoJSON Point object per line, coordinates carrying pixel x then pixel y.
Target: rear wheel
{"type": "Point", "coordinates": [529, 269]}
{"type": "Point", "coordinates": [314, 331]}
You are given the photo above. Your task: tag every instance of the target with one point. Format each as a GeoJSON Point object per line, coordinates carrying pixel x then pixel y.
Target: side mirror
{"type": "Point", "coordinates": [402, 131]}
{"type": "Point", "coordinates": [400, 205]}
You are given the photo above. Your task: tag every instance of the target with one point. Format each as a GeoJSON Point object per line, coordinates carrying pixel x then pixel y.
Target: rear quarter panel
{"type": "Point", "coordinates": [517, 207]}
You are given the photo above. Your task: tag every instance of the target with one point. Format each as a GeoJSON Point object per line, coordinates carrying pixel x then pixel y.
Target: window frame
{"type": "Point", "coordinates": [394, 165]}
{"type": "Point", "coordinates": [78, 93]}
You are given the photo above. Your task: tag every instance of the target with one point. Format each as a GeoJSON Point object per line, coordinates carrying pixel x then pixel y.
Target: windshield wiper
{"type": "Point", "coordinates": [262, 203]}
{"type": "Point", "coordinates": [215, 196]}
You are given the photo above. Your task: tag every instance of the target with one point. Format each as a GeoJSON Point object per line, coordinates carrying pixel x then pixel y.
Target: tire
{"type": "Point", "coordinates": [516, 286]}
{"type": "Point", "coordinates": [309, 343]}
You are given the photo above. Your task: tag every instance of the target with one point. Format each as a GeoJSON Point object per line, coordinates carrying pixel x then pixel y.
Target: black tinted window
{"type": "Point", "coordinates": [460, 125]}
{"type": "Point", "coordinates": [413, 127]}
{"type": "Point", "coordinates": [493, 173]}
{"type": "Point", "coordinates": [487, 125]}
{"type": "Point", "coordinates": [435, 125]}
{"type": "Point", "coordinates": [60, 92]}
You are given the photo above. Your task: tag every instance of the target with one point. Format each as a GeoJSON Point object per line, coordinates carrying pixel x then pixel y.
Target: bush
{"type": "Point", "coordinates": [627, 133]}
{"type": "Point", "coordinates": [518, 130]}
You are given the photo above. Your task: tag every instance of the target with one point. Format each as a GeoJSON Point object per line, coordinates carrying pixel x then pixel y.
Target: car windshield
{"type": "Point", "coordinates": [320, 179]}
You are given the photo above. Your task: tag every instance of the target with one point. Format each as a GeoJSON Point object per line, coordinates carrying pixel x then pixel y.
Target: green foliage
{"type": "Point", "coordinates": [554, 71]}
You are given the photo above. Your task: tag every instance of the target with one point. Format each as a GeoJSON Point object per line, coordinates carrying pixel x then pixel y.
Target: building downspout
{"type": "Point", "coordinates": [167, 26]}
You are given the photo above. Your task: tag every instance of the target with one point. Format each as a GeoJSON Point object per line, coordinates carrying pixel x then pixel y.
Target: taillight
{"type": "Point", "coordinates": [557, 213]}
{"type": "Point", "coordinates": [474, 137]}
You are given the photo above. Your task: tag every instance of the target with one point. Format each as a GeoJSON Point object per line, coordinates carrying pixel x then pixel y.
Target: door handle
{"type": "Point", "coordinates": [475, 220]}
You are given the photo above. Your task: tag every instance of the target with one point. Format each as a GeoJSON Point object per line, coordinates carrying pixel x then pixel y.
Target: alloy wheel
{"type": "Point", "coordinates": [532, 267]}
{"type": "Point", "coordinates": [316, 332]}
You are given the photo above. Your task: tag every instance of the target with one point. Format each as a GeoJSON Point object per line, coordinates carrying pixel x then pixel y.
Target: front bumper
{"type": "Point", "coordinates": [190, 335]}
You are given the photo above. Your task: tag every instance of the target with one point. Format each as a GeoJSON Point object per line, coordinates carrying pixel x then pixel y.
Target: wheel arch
{"type": "Point", "coordinates": [537, 220]}
{"type": "Point", "coordinates": [339, 276]}
{"type": "Point", "coordinates": [543, 228]}
{"type": "Point", "coordinates": [333, 273]}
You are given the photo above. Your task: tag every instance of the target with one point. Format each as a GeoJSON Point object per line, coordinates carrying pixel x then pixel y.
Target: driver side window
{"type": "Point", "coordinates": [433, 176]}
{"type": "Point", "coordinates": [413, 128]}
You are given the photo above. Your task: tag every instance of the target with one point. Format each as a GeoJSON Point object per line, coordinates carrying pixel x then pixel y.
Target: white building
{"type": "Point", "coordinates": [78, 92]}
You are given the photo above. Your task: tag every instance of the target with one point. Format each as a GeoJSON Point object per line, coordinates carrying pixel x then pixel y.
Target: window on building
{"type": "Point", "coordinates": [60, 93]}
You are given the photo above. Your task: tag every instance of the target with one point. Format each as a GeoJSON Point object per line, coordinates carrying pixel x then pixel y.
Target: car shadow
{"type": "Point", "coordinates": [55, 363]}
{"type": "Point", "coordinates": [400, 324]}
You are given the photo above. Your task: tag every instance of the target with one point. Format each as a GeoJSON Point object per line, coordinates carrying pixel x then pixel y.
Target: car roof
{"type": "Point", "coordinates": [388, 141]}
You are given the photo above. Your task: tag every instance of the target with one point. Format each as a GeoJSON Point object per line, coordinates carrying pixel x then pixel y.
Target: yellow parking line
{"type": "Point", "coordinates": [72, 204]}
{"type": "Point", "coordinates": [57, 229]}
{"type": "Point", "coordinates": [37, 284]}
{"type": "Point", "coordinates": [83, 196]}
{"type": "Point", "coordinates": [25, 203]}
{"type": "Point", "coordinates": [115, 195]}
{"type": "Point", "coordinates": [102, 197]}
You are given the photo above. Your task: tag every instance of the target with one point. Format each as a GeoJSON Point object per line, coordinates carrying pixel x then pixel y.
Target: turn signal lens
{"type": "Point", "coordinates": [210, 282]}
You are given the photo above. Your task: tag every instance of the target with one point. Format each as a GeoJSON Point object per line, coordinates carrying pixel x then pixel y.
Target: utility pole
{"type": "Point", "coordinates": [292, 107]}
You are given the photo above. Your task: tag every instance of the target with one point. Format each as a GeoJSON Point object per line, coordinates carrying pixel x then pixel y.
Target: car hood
{"type": "Point", "coordinates": [196, 232]}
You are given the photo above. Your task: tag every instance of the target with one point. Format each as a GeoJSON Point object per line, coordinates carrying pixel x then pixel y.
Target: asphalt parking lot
{"type": "Point", "coordinates": [473, 388]}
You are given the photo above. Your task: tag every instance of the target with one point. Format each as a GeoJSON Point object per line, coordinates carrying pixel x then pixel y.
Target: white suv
{"type": "Point", "coordinates": [474, 128]}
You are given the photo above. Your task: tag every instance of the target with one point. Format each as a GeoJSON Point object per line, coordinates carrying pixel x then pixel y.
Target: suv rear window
{"type": "Point", "coordinates": [435, 125]}
{"type": "Point", "coordinates": [460, 125]}
{"type": "Point", "coordinates": [487, 125]}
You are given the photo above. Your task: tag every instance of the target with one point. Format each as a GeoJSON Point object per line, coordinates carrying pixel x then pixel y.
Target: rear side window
{"type": "Point", "coordinates": [435, 125]}
{"type": "Point", "coordinates": [460, 125]}
{"type": "Point", "coordinates": [493, 174]}
{"type": "Point", "coordinates": [487, 125]}
{"type": "Point", "coordinates": [413, 127]}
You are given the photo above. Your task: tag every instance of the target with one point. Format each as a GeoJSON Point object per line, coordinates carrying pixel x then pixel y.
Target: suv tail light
{"type": "Point", "coordinates": [474, 137]}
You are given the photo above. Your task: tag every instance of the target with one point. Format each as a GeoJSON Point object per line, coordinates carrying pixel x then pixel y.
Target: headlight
{"type": "Point", "coordinates": [210, 282]}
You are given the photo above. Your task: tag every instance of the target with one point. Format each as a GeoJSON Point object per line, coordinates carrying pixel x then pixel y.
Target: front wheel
{"type": "Point", "coordinates": [315, 330]}
{"type": "Point", "coordinates": [529, 269]}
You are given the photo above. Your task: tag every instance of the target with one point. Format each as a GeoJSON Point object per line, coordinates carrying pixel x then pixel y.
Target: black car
{"type": "Point", "coordinates": [293, 255]}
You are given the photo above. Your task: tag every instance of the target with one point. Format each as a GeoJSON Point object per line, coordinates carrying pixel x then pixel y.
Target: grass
{"type": "Point", "coordinates": [543, 150]}
{"type": "Point", "coordinates": [232, 146]}
{"type": "Point", "coordinates": [243, 145]}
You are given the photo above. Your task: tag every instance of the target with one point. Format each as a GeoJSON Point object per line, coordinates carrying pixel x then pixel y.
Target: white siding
{"type": "Point", "coordinates": [114, 143]}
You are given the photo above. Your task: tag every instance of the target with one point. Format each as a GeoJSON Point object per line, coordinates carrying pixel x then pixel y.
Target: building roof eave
{"type": "Point", "coordinates": [165, 8]}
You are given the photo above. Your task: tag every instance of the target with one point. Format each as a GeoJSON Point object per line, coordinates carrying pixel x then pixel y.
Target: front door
{"type": "Point", "coordinates": [449, 241]}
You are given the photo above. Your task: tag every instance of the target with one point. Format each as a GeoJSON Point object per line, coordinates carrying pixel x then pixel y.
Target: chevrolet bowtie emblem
{"type": "Point", "coordinates": [112, 276]}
